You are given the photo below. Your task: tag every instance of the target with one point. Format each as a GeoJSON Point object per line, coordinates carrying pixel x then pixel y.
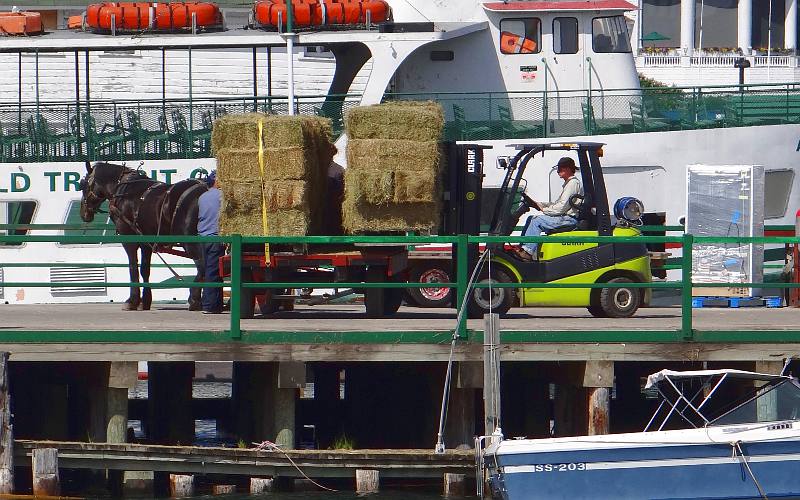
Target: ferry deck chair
{"type": "Point", "coordinates": [644, 123]}
{"type": "Point", "coordinates": [142, 137]}
{"type": "Point", "coordinates": [514, 129]}
{"type": "Point", "coordinates": [13, 146]}
{"type": "Point", "coordinates": [189, 141]}
{"type": "Point", "coordinates": [597, 127]}
{"type": "Point", "coordinates": [54, 144]}
{"type": "Point", "coordinates": [466, 132]}
{"type": "Point", "coordinates": [110, 140]}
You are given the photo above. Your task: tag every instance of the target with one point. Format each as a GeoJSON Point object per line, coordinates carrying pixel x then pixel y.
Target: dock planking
{"type": "Point", "coordinates": [103, 332]}
{"type": "Point", "coordinates": [401, 463]}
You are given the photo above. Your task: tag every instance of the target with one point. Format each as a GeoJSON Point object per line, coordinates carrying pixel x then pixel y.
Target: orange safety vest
{"type": "Point", "coordinates": [511, 43]}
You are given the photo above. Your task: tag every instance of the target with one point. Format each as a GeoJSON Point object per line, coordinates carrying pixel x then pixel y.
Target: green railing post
{"type": "Point", "coordinates": [236, 286]}
{"type": "Point", "coordinates": [462, 277]}
{"type": "Point", "coordinates": [686, 288]}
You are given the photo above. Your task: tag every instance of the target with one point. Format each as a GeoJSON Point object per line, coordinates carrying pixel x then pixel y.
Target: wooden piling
{"type": "Point", "coordinates": [598, 377]}
{"type": "Point", "coordinates": [223, 489]}
{"type": "Point", "coordinates": [181, 485]}
{"type": "Point", "coordinates": [137, 483]}
{"type": "Point", "coordinates": [491, 373]}
{"type": "Point", "coordinates": [367, 481]}
{"type": "Point", "coordinates": [45, 473]}
{"type": "Point", "coordinates": [6, 431]}
{"type": "Point", "coordinates": [170, 419]}
{"type": "Point", "coordinates": [455, 485]}
{"type": "Point", "coordinates": [291, 377]}
{"type": "Point", "coordinates": [261, 485]}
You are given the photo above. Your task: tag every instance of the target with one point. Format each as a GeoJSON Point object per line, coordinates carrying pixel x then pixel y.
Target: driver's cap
{"type": "Point", "coordinates": [566, 162]}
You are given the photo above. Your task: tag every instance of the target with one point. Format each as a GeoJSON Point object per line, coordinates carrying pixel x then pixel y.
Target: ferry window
{"type": "Point", "coordinates": [777, 186]}
{"type": "Point", "coordinates": [565, 35]}
{"type": "Point", "coordinates": [100, 226]}
{"type": "Point", "coordinates": [520, 36]}
{"type": "Point", "coordinates": [16, 212]}
{"type": "Point", "coordinates": [610, 34]}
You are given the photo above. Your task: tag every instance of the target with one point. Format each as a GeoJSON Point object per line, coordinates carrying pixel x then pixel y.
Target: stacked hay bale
{"type": "Point", "coordinates": [394, 165]}
{"type": "Point", "coordinates": [297, 153]}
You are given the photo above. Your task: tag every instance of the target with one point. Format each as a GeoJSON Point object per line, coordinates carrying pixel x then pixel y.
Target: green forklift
{"type": "Point", "coordinates": [557, 262]}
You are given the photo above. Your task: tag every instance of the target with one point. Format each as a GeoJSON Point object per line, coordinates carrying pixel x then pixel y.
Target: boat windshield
{"type": "Point", "coordinates": [771, 402]}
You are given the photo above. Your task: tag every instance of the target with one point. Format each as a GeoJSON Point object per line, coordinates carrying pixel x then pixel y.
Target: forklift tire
{"type": "Point", "coordinates": [597, 311]}
{"type": "Point", "coordinates": [375, 298]}
{"type": "Point", "coordinates": [431, 297]}
{"type": "Point", "coordinates": [247, 303]}
{"type": "Point", "coordinates": [620, 302]}
{"type": "Point", "coordinates": [502, 298]}
{"type": "Point", "coordinates": [267, 304]}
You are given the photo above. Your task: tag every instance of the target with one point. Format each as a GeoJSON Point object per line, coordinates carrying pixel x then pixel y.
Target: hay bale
{"type": "Point", "coordinates": [409, 120]}
{"type": "Point", "coordinates": [366, 219]}
{"type": "Point", "coordinates": [371, 186]}
{"type": "Point", "coordinates": [281, 195]}
{"type": "Point", "coordinates": [297, 153]}
{"type": "Point", "coordinates": [391, 154]}
{"type": "Point", "coordinates": [235, 132]}
{"type": "Point", "coordinates": [416, 187]}
{"type": "Point", "coordinates": [238, 165]}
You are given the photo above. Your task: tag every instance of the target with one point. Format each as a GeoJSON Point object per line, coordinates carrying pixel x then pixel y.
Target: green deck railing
{"type": "Point", "coordinates": [181, 128]}
{"type": "Point", "coordinates": [686, 332]}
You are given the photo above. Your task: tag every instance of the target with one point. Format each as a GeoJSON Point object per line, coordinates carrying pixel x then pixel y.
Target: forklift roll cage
{"type": "Point", "coordinates": [505, 216]}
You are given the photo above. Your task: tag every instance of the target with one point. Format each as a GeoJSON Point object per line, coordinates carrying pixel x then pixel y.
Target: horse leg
{"type": "Point", "coordinates": [195, 251]}
{"type": "Point", "coordinates": [133, 301]}
{"type": "Point", "coordinates": [147, 292]}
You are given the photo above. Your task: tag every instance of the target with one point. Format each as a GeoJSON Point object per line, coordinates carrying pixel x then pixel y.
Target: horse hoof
{"type": "Point", "coordinates": [129, 307]}
{"type": "Point", "coordinates": [195, 307]}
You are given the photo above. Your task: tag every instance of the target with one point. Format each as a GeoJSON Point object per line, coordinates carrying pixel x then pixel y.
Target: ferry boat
{"type": "Point", "coordinates": [504, 72]}
{"type": "Point", "coordinates": [717, 448]}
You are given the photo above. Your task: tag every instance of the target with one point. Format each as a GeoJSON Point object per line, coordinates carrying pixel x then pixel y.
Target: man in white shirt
{"type": "Point", "coordinates": [556, 214]}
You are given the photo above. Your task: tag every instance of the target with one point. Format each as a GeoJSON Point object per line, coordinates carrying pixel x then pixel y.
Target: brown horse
{"type": "Point", "coordinates": [139, 205]}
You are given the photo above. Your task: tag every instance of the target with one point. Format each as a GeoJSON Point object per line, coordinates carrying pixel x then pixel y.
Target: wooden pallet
{"type": "Point", "coordinates": [736, 302]}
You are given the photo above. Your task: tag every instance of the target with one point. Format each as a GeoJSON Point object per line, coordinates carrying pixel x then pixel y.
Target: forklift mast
{"type": "Point", "coordinates": [463, 188]}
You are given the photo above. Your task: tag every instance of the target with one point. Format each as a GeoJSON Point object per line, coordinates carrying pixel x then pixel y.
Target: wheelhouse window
{"type": "Point", "coordinates": [610, 34]}
{"type": "Point", "coordinates": [565, 35]}
{"type": "Point", "coordinates": [520, 36]}
{"type": "Point", "coordinates": [777, 188]}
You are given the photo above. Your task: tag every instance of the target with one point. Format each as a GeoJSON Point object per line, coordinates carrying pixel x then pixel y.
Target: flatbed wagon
{"type": "Point", "coordinates": [365, 263]}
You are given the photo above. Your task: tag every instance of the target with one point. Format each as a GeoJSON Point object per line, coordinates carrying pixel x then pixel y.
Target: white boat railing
{"type": "Point", "coordinates": [714, 60]}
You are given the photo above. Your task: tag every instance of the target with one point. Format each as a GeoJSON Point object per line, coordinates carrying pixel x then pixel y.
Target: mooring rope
{"type": "Point", "coordinates": [270, 446]}
{"type": "Point", "coordinates": [737, 446]}
{"type": "Point", "coordinates": [446, 392]}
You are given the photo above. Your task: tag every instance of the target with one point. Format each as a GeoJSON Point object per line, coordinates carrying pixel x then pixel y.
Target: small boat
{"type": "Point", "coordinates": [134, 16]}
{"type": "Point", "coordinates": [20, 23]}
{"type": "Point", "coordinates": [748, 448]}
{"type": "Point", "coordinates": [272, 13]}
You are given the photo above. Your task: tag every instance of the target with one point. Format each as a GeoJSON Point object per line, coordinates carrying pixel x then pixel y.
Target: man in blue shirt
{"type": "Point", "coordinates": [208, 225]}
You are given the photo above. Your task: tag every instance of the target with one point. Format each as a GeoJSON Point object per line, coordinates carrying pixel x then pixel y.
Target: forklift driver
{"type": "Point", "coordinates": [556, 214]}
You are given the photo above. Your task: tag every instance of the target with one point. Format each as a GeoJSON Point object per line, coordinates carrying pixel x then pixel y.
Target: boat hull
{"type": "Point", "coordinates": [655, 471]}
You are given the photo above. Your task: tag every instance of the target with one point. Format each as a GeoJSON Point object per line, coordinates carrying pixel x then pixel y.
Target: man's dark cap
{"type": "Point", "coordinates": [566, 162]}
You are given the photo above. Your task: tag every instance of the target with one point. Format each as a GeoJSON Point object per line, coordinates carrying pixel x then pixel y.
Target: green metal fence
{"type": "Point", "coordinates": [181, 128]}
{"type": "Point", "coordinates": [686, 332]}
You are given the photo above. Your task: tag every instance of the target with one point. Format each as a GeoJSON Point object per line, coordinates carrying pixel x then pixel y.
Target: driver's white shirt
{"type": "Point", "coordinates": [561, 206]}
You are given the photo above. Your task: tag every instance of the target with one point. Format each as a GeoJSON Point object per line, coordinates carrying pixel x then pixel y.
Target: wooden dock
{"type": "Point", "coordinates": [251, 462]}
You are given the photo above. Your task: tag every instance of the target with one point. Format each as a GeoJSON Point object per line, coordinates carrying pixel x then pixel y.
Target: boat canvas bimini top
{"type": "Point", "coordinates": [706, 444]}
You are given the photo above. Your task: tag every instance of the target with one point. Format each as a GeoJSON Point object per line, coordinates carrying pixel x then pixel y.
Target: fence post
{"type": "Point", "coordinates": [462, 277]}
{"type": "Point", "coordinates": [686, 287]}
{"type": "Point", "coordinates": [236, 285]}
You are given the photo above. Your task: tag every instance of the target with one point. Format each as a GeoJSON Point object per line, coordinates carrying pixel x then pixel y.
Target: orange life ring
{"type": "Point", "coordinates": [511, 43]}
{"type": "Point", "coordinates": [168, 16]}
{"type": "Point", "coordinates": [307, 13]}
{"type": "Point", "coordinates": [20, 23]}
